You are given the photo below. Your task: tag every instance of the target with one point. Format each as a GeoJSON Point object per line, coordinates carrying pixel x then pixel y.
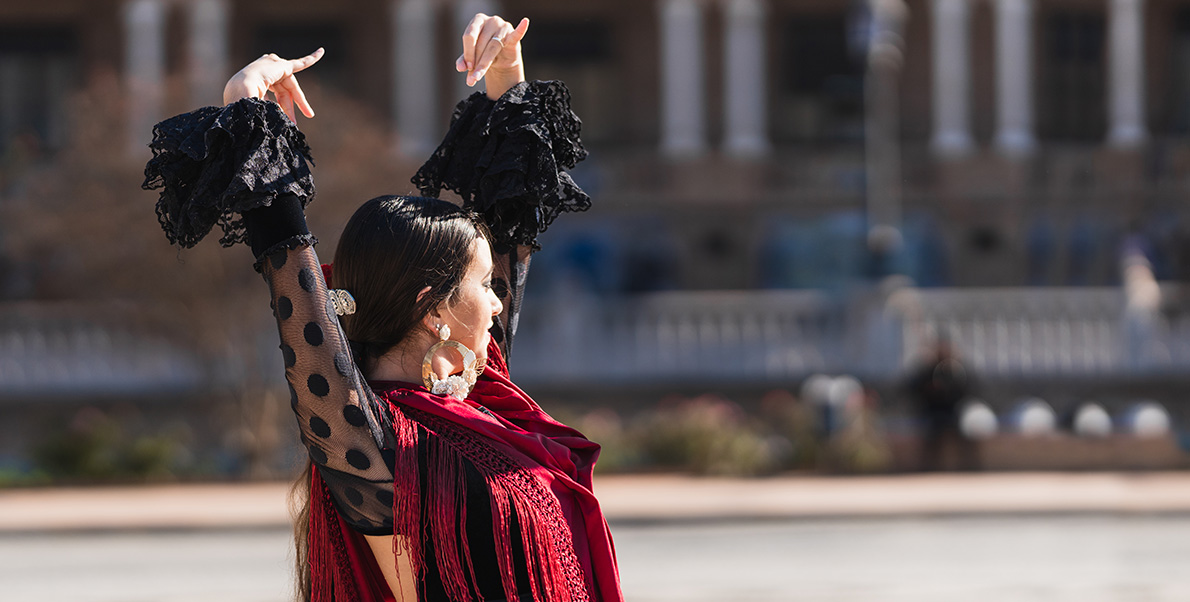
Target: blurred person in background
{"type": "Point", "coordinates": [938, 387]}
{"type": "Point", "coordinates": [432, 476]}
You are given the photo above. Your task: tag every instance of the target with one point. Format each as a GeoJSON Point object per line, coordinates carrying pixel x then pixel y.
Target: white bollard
{"type": "Point", "coordinates": [1146, 418]}
{"type": "Point", "coordinates": [978, 421]}
{"type": "Point", "coordinates": [1091, 420]}
{"type": "Point", "coordinates": [1033, 417]}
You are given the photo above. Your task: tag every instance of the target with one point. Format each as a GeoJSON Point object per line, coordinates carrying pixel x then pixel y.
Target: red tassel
{"type": "Point", "coordinates": [447, 492]}
{"type": "Point", "coordinates": [320, 551]}
{"type": "Point", "coordinates": [331, 577]}
{"type": "Point", "coordinates": [407, 495]}
{"type": "Point", "coordinates": [502, 533]}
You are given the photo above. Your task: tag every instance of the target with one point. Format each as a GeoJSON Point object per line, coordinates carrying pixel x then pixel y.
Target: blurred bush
{"type": "Point", "coordinates": [706, 435]}
{"type": "Point", "coordinates": [619, 452]}
{"type": "Point", "coordinates": [95, 447]}
{"type": "Point", "coordinates": [710, 435]}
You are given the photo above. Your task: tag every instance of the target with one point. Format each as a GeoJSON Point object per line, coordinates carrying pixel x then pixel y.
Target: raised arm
{"type": "Point", "coordinates": [343, 425]}
{"type": "Point", "coordinates": [244, 167]}
{"type": "Point", "coordinates": [505, 154]}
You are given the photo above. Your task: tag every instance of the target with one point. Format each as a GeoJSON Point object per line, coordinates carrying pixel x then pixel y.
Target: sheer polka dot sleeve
{"type": "Point", "coordinates": [245, 168]}
{"type": "Point", "coordinates": [341, 421]}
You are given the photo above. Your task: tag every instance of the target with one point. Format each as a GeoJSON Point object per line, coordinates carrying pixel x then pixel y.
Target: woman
{"type": "Point", "coordinates": [433, 476]}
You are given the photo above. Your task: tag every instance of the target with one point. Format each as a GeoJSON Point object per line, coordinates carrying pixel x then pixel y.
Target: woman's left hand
{"type": "Point", "coordinates": [271, 73]}
{"type": "Point", "coordinates": [492, 48]}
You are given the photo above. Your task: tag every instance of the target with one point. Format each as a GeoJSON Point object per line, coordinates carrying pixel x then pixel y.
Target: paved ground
{"type": "Point", "coordinates": [1030, 558]}
{"type": "Point", "coordinates": [641, 500]}
{"type": "Point", "coordinates": [976, 538]}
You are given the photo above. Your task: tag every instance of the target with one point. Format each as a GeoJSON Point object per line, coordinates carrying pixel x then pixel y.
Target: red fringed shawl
{"type": "Point", "coordinates": [533, 466]}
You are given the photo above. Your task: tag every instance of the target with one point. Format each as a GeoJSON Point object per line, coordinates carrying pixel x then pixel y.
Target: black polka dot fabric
{"type": "Point", "coordinates": [320, 428]}
{"type": "Point", "coordinates": [318, 385]}
{"type": "Point", "coordinates": [289, 356]}
{"type": "Point", "coordinates": [358, 459]}
{"type": "Point", "coordinates": [313, 334]}
{"type": "Point", "coordinates": [354, 416]}
{"type": "Point", "coordinates": [317, 454]}
{"type": "Point", "coordinates": [307, 279]}
{"type": "Point", "coordinates": [340, 419]}
{"type": "Point", "coordinates": [284, 308]}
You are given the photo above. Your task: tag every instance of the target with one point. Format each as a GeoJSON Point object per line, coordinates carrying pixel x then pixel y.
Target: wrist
{"type": "Point", "coordinates": [237, 87]}
{"type": "Point", "coordinates": [500, 80]}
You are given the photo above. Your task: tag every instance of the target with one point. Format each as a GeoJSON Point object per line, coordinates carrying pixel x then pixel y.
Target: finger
{"type": "Point", "coordinates": [299, 97]}
{"type": "Point", "coordinates": [493, 49]}
{"type": "Point", "coordinates": [460, 64]}
{"type": "Point", "coordinates": [489, 37]}
{"type": "Point", "coordinates": [285, 99]}
{"type": "Point", "coordinates": [517, 34]}
{"type": "Point", "coordinates": [306, 61]}
{"type": "Point", "coordinates": [470, 35]}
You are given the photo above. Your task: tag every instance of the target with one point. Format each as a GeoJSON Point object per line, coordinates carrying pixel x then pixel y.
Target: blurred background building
{"type": "Point", "coordinates": [782, 188]}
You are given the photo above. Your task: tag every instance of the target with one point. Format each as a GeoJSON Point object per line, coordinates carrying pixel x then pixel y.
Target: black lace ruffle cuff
{"type": "Point", "coordinates": [216, 162]}
{"type": "Point", "coordinates": [506, 160]}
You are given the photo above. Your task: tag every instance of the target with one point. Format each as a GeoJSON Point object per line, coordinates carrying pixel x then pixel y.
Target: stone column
{"type": "Point", "coordinates": [207, 51]}
{"type": "Point", "coordinates": [952, 79]}
{"type": "Point", "coordinates": [415, 89]}
{"type": "Point", "coordinates": [1014, 77]}
{"type": "Point", "coordinates": [683, 122]}
{"type": "Point", "coordinates": [144, 69]}
{"type": "Point", "coordinates": [745, 110]}
{"type": "Point", "coordinates": [12, 80]}
{"type": "Point", "coordinates": [465, 10]}
{"type": "Point", "coordinates": [1126, 73]}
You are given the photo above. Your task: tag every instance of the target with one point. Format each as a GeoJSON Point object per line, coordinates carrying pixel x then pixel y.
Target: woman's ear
{"type": "Point", "coordinates": [433, 317]}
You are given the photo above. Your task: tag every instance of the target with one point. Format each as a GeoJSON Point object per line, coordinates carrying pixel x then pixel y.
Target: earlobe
{"type": "Point", "coordinates": [432, 320]}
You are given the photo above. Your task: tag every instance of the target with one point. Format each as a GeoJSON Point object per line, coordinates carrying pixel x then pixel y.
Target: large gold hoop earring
{"type": "Point", "coordinates": [457, 386]}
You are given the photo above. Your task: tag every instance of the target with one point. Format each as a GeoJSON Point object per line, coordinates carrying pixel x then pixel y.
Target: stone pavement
{"type": "Point", "coordinates": [638, 499]}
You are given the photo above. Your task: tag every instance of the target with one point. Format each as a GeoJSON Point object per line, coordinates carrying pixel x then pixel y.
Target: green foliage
{"type": "Point", "coordinates": [709, 435]}
{"type": "Point", "coordinates": [604, 426]}
{"type": "Point", "coordinates": [706, 435]}
{"type": "Point", "coordinates": [94, 447]}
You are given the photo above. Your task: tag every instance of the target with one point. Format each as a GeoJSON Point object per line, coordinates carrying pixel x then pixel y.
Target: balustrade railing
{"type": "Point", "coordinates": [675, 338]}
{"type": "Point", "coordinates": [783, 335]}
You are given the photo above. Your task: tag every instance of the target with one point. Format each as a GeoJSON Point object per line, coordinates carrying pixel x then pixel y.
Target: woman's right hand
{"type": "Point", "coordinates": [271, 73]}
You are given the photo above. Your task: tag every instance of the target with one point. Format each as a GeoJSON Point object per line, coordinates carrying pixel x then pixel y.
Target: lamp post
{"type": "Point", "coordinates": [877, 32]}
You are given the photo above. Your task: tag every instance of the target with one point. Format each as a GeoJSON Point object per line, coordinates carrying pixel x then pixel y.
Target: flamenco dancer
{"type": "Point", "coordinates": [432, 476]}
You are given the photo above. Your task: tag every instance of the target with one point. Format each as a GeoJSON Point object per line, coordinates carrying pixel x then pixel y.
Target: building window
{"type": "Point", "coordinates": [819, 92]}
{"type": "Point", "coordinates": [580, 53]}
{"type": "Point", "coordinates": [1179, 122]}
{"type": "Point", "coordinates": [1074, 77]}
{"type": "Point", "coordinates": [38, 71]}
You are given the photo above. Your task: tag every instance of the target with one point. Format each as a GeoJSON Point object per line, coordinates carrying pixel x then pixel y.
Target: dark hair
{"type": "Point", "coordinates": [392, 248]}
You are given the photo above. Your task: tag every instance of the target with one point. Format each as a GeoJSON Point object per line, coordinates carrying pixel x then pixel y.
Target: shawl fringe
{"type": "Point", "coordinates": [553, 567]}
{"type": "Point", "coordinates": [330, 566]}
